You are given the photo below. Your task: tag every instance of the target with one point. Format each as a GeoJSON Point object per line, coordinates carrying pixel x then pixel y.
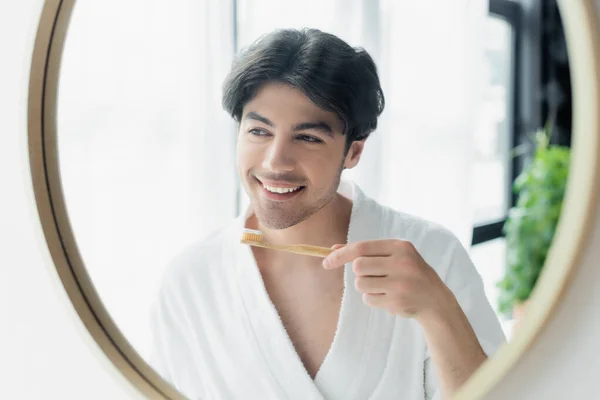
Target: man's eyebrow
{"type": "Point", "coordinates": [257, 117]}
{"type": "Point", "coordinates": [318, 126]}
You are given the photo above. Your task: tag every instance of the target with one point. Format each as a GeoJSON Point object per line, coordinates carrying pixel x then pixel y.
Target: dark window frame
{"type": "Point", "coordinates": [512, 13]}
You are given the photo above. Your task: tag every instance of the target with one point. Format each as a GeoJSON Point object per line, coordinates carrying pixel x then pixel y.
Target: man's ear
{"type": "Point", "coordinates": [354, 153]}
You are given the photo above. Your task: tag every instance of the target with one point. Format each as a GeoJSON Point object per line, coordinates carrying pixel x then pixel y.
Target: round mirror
{"type": "Point", "coordinates": [337, 200]}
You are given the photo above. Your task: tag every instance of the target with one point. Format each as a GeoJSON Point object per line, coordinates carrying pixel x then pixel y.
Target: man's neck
{"type": "Point", "coordinates": [326, 227]}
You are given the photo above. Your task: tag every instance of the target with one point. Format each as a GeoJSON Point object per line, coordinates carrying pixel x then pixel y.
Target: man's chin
{"type": "Point", "coordinates": [278, 222]}
{"type": "Point", "coordinates": [275, 224]}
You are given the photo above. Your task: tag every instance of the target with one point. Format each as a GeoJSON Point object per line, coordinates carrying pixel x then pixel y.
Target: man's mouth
{"type": "Point", "coordinates": [279, 191]}
{"type": "Point", "coordinates": [275, 189]}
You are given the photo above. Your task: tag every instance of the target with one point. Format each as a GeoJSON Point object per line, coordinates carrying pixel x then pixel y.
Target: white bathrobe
{"type": "Point", "coordinates": [218, 335]}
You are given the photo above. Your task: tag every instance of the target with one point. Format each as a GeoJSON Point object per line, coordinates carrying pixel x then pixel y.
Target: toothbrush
{"type": "Point", "coordinates": [255, 238]}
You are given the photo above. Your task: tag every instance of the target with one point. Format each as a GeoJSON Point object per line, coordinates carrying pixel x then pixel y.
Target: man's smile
{"type": "Point", "coordinates": [279, 191]}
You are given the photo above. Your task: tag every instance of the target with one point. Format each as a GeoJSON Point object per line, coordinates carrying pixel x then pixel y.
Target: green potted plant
{"type": "Point", "coordinates": [531, 223]}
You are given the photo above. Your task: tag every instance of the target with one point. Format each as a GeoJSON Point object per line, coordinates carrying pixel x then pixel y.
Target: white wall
{"type": "Point", "coordinates": [46, 353]}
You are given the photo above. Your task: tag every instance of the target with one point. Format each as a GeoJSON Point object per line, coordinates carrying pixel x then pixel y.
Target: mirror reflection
{"type": "Point", "coordinates": [316, 199]}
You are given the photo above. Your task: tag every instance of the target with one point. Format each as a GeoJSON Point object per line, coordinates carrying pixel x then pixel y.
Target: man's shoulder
{"type": "Point", "coordinates": [403, 225]}
{"type": "Point", "coordinates": [200, 259]}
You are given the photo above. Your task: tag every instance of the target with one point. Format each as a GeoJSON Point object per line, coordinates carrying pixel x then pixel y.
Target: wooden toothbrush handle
{"type": "Point", "coordinates": [309, 250]}
{"type": "Point", "coordinates": [305, 249]}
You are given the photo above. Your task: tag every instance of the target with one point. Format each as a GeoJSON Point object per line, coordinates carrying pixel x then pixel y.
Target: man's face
{"type": "Point", "coordinates": [290, 155]}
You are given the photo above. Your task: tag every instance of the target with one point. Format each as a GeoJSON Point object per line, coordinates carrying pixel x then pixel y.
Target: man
{"type": "Point", "coordinates": [397, 311]}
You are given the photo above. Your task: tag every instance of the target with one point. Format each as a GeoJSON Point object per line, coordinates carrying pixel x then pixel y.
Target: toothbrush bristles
{"type": "Point", "coordinates": [252, 236]}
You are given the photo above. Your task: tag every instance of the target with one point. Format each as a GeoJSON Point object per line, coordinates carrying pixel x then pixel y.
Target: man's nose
{"type": "Point", "coordinates": [279, 156]}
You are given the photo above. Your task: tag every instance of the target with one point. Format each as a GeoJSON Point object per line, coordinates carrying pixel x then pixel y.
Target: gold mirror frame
{"type": "Point", "coordinates": [582, 30]}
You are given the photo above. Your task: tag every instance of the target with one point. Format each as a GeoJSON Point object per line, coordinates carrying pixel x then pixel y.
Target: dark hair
{"type": "Point", "coordinates": [331, 73]}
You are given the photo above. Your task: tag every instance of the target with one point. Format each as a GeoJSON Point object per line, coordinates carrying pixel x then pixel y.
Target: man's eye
{"type": "Point", "coordinates": [310, 139]}
{"type": "Point", "coordinates": [257, 132]}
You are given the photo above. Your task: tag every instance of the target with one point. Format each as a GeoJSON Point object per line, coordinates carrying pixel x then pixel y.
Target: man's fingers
{"type": "Point", "coordinates": [375, 300]}
{"type": "Point", "coordinates": [351, 251]}
{"type": "Point", "coordinates": [334, 247]}
{"type": "Point", "coordinates": [371, 284]}
{"type": "Point", "coordinates": [372, 266]}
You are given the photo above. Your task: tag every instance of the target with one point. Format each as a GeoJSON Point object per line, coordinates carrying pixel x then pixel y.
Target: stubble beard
{"type": "Point", "coordinates": [275, 215]}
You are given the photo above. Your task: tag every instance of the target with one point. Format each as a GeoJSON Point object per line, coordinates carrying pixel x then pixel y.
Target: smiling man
{"type": "Point", "coordinates": [397, 311]}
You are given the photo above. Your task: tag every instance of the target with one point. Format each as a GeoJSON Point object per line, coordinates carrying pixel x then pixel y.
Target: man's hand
{"type": "Point", "coordinates": [392, 275]}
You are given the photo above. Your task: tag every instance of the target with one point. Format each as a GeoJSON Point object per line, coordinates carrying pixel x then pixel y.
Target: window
{"type": "Point", "coordinates": [495, 168]}
{"type": "Point", "coordinates": [536, 69]}
{"type": "Point", "coordinates": [492, 138]}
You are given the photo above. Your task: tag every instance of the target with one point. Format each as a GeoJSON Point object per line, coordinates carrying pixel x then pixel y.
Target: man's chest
{"type": "Point", "coordinates": [309, 308]}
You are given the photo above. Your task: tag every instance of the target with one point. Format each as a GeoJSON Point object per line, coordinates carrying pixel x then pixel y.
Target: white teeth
{"type": "Point", "coordinates": [274, 189]}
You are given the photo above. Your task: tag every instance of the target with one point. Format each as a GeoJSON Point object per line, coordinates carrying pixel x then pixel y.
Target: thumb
{"type": "Point", "coordinates": [337, 246]}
